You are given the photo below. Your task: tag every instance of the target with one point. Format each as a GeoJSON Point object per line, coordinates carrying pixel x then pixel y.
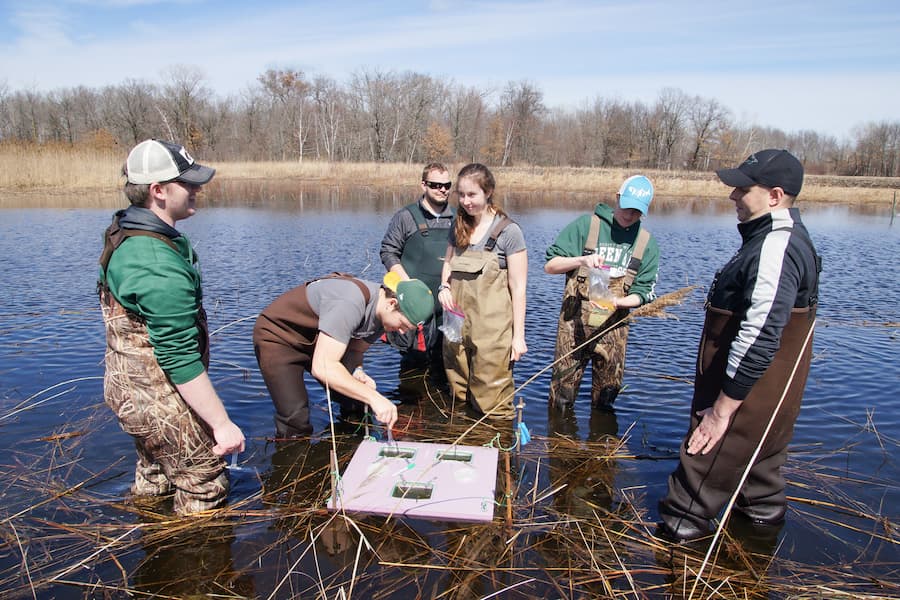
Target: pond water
{"type": "Point", "coordinates": [66, 465]}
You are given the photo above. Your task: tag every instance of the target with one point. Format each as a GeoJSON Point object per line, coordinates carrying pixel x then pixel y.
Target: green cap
{"type": "Point", "coordinates": [414, 298]}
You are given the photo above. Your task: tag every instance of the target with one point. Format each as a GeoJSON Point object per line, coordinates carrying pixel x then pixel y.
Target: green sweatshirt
{"type": "Point", "coordinates": [153, 281]}
{"type": "Point", "coordinates": [615, 243]}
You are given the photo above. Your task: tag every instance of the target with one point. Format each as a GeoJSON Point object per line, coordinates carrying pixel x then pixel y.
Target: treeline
{"type": "Point", "coordinates": [385, 116]}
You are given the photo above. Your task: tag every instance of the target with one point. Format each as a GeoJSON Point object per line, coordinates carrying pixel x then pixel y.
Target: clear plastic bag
{"type": "Point", "coordinates": [452, 324]}
{"type": "Point", "coordinates": [598, 292]}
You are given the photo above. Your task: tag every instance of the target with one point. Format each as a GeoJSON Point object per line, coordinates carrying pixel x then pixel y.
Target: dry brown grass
{"type": "Point", "coordinates": [58, 174]}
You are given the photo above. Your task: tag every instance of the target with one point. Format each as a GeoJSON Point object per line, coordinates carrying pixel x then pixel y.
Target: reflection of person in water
{"type": "Point", "coordinates": [195, 562]}
{"type": "Point", "coordinates": [299, 475]}
{"type": "Point", "coordinates": [582, 472]}
{"type": "Point", "coordinates": [587, 469]}
{"type": "Point", "coordinates": [741, 565]}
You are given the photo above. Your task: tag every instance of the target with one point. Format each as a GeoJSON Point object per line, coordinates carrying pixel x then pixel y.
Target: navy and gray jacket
{"type": "Point", "coordinates": [775, 270]}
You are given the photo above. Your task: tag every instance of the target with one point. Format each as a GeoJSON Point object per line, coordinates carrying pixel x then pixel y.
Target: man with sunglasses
{"type": "Point", "coordinates": [413, 247]}
{"type": "Point", "coordinates": [157, 339]}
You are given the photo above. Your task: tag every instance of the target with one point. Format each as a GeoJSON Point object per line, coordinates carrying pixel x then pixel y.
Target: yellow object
{"type": "Point", "coordinates": [391, 279]}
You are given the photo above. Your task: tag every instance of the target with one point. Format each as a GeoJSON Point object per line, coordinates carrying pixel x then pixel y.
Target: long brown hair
{"type": "Point", "coordinates": [465, 223]}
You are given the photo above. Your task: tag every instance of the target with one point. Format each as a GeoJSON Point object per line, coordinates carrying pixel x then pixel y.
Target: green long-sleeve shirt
{"type": "Point", "coordinates": [163, 286]}
{"type": "Point", "coordinates": [616, 244]}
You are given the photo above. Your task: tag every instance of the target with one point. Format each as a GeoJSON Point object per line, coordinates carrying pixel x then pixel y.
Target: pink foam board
{"type": "Point", "coordinates": [417, 479]}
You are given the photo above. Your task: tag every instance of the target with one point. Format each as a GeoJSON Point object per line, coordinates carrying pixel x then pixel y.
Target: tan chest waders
{"type": "Point", "coordinates": [479, 369]}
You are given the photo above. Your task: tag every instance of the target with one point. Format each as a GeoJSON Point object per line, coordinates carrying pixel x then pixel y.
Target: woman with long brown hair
{"type": "Point", "coordinates": [484, 276]}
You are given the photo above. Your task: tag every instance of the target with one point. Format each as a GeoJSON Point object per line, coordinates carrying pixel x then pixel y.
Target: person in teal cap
{"type": "Point", "coordinates": [614, 241]}
{"type": "Point", "coordinates": [324, 327]}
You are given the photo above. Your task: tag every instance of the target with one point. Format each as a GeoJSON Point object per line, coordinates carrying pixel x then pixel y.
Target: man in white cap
{"type": "Point", "coordinates": [754, 357]}
{"type": "Point", "coordinates": [613, 240]}
{"type": "Point", "coordinates": [157, 338]}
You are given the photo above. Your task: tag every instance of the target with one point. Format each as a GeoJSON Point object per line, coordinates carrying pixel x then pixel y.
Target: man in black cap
{"type": "Point", "coordinates": [753, 359]}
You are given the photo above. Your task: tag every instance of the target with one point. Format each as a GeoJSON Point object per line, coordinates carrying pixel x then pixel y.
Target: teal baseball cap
{"type": "Point", "coordinates": [636, 192]}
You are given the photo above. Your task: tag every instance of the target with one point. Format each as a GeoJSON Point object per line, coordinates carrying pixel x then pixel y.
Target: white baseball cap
{"type": "Point", "coordinates": [155, 161]}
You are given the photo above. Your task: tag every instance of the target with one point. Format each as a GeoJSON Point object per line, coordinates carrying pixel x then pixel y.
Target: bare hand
{"type": "Point", "coordinates": [446, 299]}
{"type": "Point", "coordinates": [592, 261]}
{"type": "Point", "coordinates": [708, 432]}
{"type": "Point", "coordinates": [385, 411]}
{"type": "Point", "coordinates": [229, 439]}
{"type": "Point", "coordinates": [518, 349]}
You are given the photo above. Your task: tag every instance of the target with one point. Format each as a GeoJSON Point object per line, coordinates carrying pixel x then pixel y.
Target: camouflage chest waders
{"type": "Point", "coordinates": [479, 369]}
{"type": "Point", "coordinates": [174, 446]}
{"type": "Point", "coordinates": [581, 321]}
{"type": "Point", "coordinates": [703, 483]}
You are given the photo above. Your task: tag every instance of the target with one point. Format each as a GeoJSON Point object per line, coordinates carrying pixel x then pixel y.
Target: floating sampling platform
{"type": "Point", "coordinates": [417, 479]}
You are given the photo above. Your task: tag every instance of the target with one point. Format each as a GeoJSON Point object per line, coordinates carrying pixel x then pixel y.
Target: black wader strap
{"type": "Point", "coordinates": [499, 227]}
{"type": "Point", "coordinates": [814, 297]}
{"type": "Point", "coordinates": [637, 256]}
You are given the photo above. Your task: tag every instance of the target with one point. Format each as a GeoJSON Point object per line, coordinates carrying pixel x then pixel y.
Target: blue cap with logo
{"type": "Point", "coordinates": [636, 192]}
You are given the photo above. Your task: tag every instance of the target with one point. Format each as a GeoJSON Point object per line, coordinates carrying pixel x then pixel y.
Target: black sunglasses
{"type": "Point", "coordinates": [436, 185]}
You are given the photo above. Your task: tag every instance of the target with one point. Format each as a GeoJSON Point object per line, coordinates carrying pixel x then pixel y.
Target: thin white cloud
{"type": "Point", "coordinates": [572, 49]}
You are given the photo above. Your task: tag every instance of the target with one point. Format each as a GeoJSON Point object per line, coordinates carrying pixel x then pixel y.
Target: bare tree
{"type": "Point", "coordinates": [465, 111]}
{"type": "Point", "coordinates": [665, 128]}
{"type": "Point", "coordinates": [372, 94]}
{"type": "Point", "coordinates": [420, 95]}
{"type": "Point", "coordinates": [521, 106]}
{"type": "Point", "coordinates": [129, 110]}
{"type": "Point", "coordinates": [184, 97]}
{"type": "Point", "coordinates": [877, 150]}
{"type": "Point", "coordinates": [328, 100]}
{"type": "Point", "coordinates": [5, 119]}
{"type": "Point", "coordinates": [706, 118]}
{"type": "Point", "coordinates": [289, 90]}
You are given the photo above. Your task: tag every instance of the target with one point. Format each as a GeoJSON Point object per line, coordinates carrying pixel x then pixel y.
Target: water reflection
{"type": "Point", "coordinates": [197, 562]}
{"type": "Point", "coordinates": [300, 196]}
{"type": "Point", "coordinates": [842, 456]}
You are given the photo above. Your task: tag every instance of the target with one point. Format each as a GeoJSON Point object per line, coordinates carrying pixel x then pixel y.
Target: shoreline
{"type": "Point", "coordinates": [51, 186]}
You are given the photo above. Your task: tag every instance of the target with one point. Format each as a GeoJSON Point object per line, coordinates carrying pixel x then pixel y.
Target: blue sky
{"type": "Point", "coordinates": [816, 64]}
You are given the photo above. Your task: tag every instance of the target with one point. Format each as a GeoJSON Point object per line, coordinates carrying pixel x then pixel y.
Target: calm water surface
{"type": "Point", "coordinates": [51, 364]}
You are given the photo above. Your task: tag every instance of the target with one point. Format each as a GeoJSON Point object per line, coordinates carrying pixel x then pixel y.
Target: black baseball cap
{"type": "Point", "coordinates": [771, 168]}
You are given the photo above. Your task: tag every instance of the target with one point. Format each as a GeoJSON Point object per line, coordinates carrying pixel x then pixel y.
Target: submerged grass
{"type": "Point", "coordinates": [60, 175]}
{"type": "Point", "coordinates": [561, 527]}
{"type": "Point", "coordinates": [571, 534]}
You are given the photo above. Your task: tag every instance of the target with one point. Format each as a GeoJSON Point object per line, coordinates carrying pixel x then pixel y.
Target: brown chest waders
{"type": "Point", "coordinates": [284, 340]}
{"type": "Point", "coordinates": [479, 368]}
{"type": "Point", "coordinates": [702, 484]}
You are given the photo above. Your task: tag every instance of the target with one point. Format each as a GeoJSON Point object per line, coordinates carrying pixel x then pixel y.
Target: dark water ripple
{"type": "Point", "coordinates": [52, 333]}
